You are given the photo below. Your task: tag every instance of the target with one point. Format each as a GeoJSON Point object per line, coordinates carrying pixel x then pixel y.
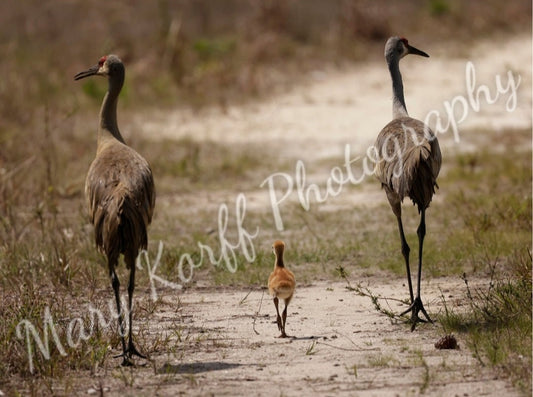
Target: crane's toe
{"type": "Point", "coordinates": [132, 351]}
{"type": "Point", "coordinates": [127, 362]}
{"type": "Point", "coordinates": [128, 353]}
{"type": "Point", "coordinates": [417, 307]}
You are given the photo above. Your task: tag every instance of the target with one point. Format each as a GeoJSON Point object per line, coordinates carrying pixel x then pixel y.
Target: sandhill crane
{"type": "Point", "coordinates": [281, 285]}
{"type": "Point", "coordinates": [120, 194]}
{"type": "Point", "coordinates": [409, 163]}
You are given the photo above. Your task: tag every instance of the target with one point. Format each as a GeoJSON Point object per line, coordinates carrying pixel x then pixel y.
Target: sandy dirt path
{"type": "Point", "coordinates": [337, 107]}
{"type": "Point", "coordinates": [226, 344]}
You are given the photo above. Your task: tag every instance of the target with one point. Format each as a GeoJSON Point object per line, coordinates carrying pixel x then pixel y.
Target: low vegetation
{"type": "Point", "coordinates": [48, 257]}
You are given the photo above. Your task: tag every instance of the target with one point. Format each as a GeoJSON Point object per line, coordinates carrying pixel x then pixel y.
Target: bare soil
{"type": "Point", "coordinates": [339, 345]}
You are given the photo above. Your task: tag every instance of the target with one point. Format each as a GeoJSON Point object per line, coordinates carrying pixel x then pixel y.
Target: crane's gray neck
{"type": "Point", "coordinates": [108, 112]}
{"type": "Point", "coordinates": [398, 103]}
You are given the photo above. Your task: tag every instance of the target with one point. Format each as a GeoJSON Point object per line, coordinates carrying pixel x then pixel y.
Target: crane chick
{"type": "Point", "coordinates": [120, 194]}
{"type": "Point", "coordinates": [281, 285]}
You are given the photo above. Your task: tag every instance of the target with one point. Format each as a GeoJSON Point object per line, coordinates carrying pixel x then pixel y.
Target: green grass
{"type": "Point", "coordinates": [186, 165]}
{"type": "Point", "coordinates": [497, 321]}
{"type": "Point", "coordinates": [474, 221]}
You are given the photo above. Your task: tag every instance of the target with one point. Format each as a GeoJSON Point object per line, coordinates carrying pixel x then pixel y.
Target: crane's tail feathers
{"type": "Point", "coordinates": [284, 290]}
{"type": "Point", "coordinates": [409, 164]}
{"type": "Point", "coordinates": [416, 178]}
{"type": "Point", "coordinates": [120, 225]}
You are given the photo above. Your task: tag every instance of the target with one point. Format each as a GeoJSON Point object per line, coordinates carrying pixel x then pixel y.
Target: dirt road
{"type": "Point", "coordinates": [351, 106]}
{"type": "Point", "coordinates": [224, 342]}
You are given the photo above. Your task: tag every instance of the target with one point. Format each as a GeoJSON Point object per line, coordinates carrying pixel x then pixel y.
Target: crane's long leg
{"type": "Point", "coordinates": [278, 318]}
{"type": "Point", "coordinates": [396, 206]}
{"type": "Point", "coordinates": [132, 350]}
{"type": "Point", "coordinates": [116, 288]}
{"type": "Point", "coordinates": [421, 232]}
{"type": "Point", "coordinates": [417, 305]}
{"type": "Point", "coordinates": [405, 252]}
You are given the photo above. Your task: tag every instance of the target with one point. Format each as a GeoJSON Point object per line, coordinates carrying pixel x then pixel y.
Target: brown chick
{"type": "Point", "coordinates": [281, 285]}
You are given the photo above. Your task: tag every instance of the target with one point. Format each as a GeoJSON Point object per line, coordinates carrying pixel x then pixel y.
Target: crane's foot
{"type": "Point", "coordinates": [416, 307]}
{"type": "Point", "coordinates": [132, 350]}
{"type": "Point", "coordinates": [283, 335]}
{"type": "Point", "coordinates": [126, 362]}
{"type": "Point", "coordinates": [128, 353]}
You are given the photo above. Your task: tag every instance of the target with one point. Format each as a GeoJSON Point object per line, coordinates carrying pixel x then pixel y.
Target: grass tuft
{"type": "Point", "coordinates": [497, 323]}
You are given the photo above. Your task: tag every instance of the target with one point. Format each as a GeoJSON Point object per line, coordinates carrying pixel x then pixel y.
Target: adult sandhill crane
{"type": "Point", "coordinates": [281, 285]}
{"type": "Point", "coordinates": [120, 194]}
{"type": "Point", "coordinates": [409, 163]}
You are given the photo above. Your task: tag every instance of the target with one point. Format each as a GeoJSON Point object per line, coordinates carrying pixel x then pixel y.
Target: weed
{"type": "Point", "coordinates": [192, 379]}
{"type": "Point", "coordinates": [365, 291]}
{"type": "Point", "coordinates": [439, 7]}
{"type": "Point", "coordinates": [352, 370]}
{"type": "Point", "coordinates": [243, 300]}
{"type": "Point", "coordinates": [381, 360]}
{"type": "Point", "coordinates": [497, 324]}
{"type": "Point", "coordinates": [311, 349]}
{"type": "Point", "coordinates": [419, 360]}
{"type": "Point", "coordinates": [126, 375]}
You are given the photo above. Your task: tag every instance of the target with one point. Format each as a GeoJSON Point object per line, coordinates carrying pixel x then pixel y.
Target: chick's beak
{"type": "Point", "coordinates": [416, 51]}
{"type": "Point", "coordinates": [89, 72]}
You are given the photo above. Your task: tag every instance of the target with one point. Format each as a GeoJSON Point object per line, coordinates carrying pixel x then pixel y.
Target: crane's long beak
{"type": "Point", "coordinates": [416, 51]}
{"type": "Point", "coordinates": [89, 72]}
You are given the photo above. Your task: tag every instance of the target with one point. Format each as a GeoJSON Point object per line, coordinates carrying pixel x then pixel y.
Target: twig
{"type": "Point", "coordinates": [364, 291]}
{"type": "Point", "coordinates": [353, 343]}
{"type": "Point", "coordinates": [171, 41]}
{"type": "Point", "coordinates": [358, 349]}
{"type": "Point", "coordinates": [244, 299]}
{"type": "Point", "coordinates": [257, 312]}
{"type": "Point", "coordinates": [302, 217]}
{"type": "Point", "coordinates": [361, 291]}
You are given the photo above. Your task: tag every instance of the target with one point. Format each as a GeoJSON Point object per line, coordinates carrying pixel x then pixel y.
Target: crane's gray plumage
{"type": "Point", "coordinates": [413, 160]}
{"type": "Point", "coordinates": [409, 162]}
{"type": "Point", "coordinates": [120, 193]}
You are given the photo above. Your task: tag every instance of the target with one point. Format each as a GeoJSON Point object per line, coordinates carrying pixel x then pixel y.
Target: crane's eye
{"type": "Point", "coordinates": [403, 43]}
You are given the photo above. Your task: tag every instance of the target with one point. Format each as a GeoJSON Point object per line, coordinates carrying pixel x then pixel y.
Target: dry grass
{"type": "Point", "coordinates": [48, 258]}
